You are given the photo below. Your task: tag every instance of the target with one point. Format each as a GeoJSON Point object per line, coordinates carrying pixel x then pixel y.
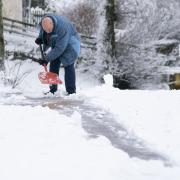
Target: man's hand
{"type": "Point", "coordinates": [38, 41]}
{"type": "Point", "coordinates": [42, 62]}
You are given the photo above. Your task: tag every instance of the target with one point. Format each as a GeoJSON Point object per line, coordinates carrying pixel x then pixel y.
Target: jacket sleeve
{"type": "Point", "coordinates": [45, 47]}
{"type": "Point", "coordinates": [61, 43]}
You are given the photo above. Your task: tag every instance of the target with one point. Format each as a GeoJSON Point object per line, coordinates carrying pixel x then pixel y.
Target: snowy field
{"type": "Point", "coordinates": [40, 143]}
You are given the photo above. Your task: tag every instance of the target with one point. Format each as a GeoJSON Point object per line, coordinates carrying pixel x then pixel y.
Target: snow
{"type": "Point", "coordinates": [152, 115]}
{"type": "Point", "coordinates": [40, 143]}
{"type": "Point", "coordinates": [108, 79]}
{"type": "Point", "coordinates": [119, 33]}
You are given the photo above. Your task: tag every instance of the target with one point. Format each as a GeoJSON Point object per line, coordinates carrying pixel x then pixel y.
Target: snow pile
{"type": "Point", "coordinates": [108, 80]}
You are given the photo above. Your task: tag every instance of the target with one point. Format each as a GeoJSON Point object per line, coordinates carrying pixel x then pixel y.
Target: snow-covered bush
{"type": "Point", "coordinates": [84, 16]}
{"type": "Point", "coordinates": [149, 20]}
{"type": "Point", "coordinates": [82, 13]}
{"type": "Point", "coordinates": [145, 23]}
{"type": "Point", "coordinates": [13, 74]}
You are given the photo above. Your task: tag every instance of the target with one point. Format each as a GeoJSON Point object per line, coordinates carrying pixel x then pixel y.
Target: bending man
{"type": "Point", "coordinates": [59, 34]}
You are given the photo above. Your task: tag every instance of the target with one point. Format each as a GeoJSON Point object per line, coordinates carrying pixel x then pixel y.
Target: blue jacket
{"type": "Point", "coordinates": [64, 41]}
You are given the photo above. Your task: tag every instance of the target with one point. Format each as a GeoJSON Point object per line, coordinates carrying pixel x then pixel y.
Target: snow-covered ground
{"type": "Point", "coordinates": [39, 143]}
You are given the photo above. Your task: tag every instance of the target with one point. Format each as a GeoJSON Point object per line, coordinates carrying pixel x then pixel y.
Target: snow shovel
{"type": "Point", "coordinates": [48, 77]}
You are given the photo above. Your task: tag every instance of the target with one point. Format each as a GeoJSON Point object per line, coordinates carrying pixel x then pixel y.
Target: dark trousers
{"type": "Point", "coordinates": [70, 76]}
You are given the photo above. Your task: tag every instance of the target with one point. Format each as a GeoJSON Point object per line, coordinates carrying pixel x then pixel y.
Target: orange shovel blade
{"type": "Point", "coordinates": [49, 78]}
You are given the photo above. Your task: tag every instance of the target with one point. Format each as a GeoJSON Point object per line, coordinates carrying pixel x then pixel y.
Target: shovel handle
{"type": "Point", "coordinates": [42, 54]}
{"type": "Point", "coordinates": [45, 67]}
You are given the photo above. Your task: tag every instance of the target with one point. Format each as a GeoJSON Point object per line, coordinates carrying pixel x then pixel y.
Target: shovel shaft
{"type": "Point", "coordinates": [45, 67]}
{"type": "Point", "coordinates": [42, 54]}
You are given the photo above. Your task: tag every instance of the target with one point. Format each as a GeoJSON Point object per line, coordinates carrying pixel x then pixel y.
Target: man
{"type": "Point", "coordinates": [59, 34]}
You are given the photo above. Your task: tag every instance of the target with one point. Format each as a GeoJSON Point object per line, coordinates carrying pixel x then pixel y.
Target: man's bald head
{"type": "Point", "coordinates": [47, 24]}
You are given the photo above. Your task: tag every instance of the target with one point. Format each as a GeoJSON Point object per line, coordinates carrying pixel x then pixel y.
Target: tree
{"type": "Point", "coordinates": [109, 36]}
{"type": "Point", "coordinates": [106, 37]}
{"type": "Point", "coordinates": [1, 39]}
